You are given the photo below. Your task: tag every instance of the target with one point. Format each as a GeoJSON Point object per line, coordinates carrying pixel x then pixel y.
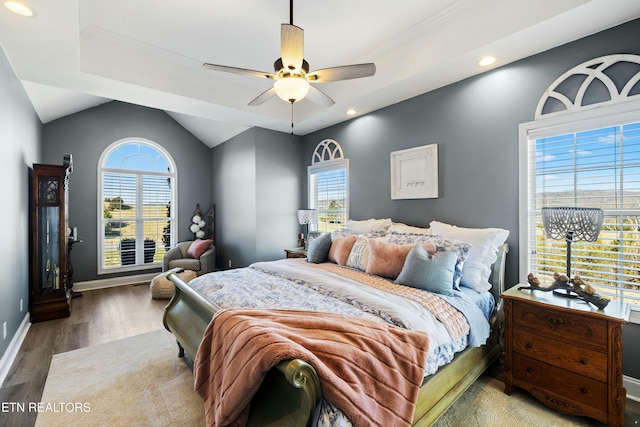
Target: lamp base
{"type": "Point", "coordinates": [564, 293]}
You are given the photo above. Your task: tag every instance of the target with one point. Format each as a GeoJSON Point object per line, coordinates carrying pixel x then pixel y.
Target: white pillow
{"type": "Point", "coordinates": [368, 225]}
{"type": "Point", "coordinates": [400, 228]}
{"type": "Point", "coordinates": [484, 245]}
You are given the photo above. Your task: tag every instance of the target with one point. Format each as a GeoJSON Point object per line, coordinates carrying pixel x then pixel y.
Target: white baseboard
{"type": "Point", "coordinates": [633, 387]}
{"type": "Point", "coordinates": [14, 346]}
{"type": "Point", "coordinates": [115, 281]}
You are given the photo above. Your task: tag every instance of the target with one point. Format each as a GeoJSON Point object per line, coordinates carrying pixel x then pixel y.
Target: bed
{"type": "Point", "coordinates": [291, 392]}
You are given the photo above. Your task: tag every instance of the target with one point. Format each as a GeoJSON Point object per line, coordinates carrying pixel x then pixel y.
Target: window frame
{"type": "Point", "coordinates": [574, 122]}
{"type": "Point", "coordinates": [322, 167]}
{"type": "Point", "coordinates": [173, 218]}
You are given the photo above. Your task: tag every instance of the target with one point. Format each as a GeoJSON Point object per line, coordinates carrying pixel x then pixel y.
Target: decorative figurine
{"type": "Point", "coordinates": [576, 285]}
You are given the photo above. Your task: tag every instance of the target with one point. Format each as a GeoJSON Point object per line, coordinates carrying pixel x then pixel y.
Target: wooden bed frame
{"type": "Point", "coordinates": [290, 392]}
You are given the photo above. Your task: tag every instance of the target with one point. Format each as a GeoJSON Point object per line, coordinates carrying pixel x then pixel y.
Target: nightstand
{"type": "Point", "coordinates": [296, 253]}
{"type": "Point", "coordinates": [566, 353]}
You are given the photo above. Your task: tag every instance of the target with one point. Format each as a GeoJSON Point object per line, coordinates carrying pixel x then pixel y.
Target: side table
{"type": "Point", "coordinates": [296, 253]}
{"type": "Point", "coordinates": [566, 353]}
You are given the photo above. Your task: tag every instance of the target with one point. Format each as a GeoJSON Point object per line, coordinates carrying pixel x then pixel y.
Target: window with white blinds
{"type": "Point", "coordinates": [137, 190]}
{"type": "Point", "coordinates": [329, 193]}
{"type": "Point", "coordinates": [591, 168]}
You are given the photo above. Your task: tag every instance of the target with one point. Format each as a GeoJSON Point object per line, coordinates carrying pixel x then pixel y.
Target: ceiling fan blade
{"type": "Point", "coordinates": [263, 97]}
{"type": "Point", "coordinates": [345, 72]}
{"type": "Point", "coordinates": [291, 47]}
{"type": "Point", "coordinates": [236, 70]}
{"type": "Point", "coordinates": [318, 97]}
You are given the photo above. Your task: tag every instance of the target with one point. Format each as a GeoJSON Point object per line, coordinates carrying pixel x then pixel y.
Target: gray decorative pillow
{"type": "Point", "coordinates": [433, 273]}
{"type": "Point", "coordinates": [319, 248]}
{"type": "Point", "coordinates": [461, 249]}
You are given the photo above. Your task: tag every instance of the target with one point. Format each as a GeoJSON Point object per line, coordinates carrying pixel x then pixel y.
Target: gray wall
{"type": "Point", "coordinates": [475, 123]}
{"type": "Point", "coordinates": [87, 134]}
{"type": "Point", "coordinates": [257, 190]}
{"type": "Point", "coordinates": [20, 133]}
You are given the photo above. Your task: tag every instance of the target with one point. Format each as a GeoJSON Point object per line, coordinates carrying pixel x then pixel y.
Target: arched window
{"type": "Point", "coordinates": [137, 189]}
{"type": "Point", "coordinates": [328, 178]}
{"type": "Point", "coordinates": [583, 150]}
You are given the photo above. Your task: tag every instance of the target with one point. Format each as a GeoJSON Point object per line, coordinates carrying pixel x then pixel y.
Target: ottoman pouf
{"type": "Point", "coordinates": [162, 288]}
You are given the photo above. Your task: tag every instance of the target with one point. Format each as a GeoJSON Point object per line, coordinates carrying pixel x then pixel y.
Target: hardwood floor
{"type": "Point", "coordinates": [97, 317]}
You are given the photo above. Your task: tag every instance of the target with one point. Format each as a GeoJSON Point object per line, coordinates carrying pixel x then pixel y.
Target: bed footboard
{"type": "Point", "coordinates": [289, 393]}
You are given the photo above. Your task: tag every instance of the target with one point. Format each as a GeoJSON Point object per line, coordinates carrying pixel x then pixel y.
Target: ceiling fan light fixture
{"type": "Point", "coordinates": [19, 7]}
{"type": "Point", "coordinates": [291, 89]}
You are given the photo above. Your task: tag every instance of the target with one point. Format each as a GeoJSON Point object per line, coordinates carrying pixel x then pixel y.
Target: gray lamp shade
{"type": "Point", "coordinates": [572, 223]}
{"type": "Point", "coordinates": [307, 216]}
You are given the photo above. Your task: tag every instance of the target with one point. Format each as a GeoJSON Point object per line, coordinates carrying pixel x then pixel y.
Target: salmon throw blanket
{"type": "Point", "coordinates": [371, 370]}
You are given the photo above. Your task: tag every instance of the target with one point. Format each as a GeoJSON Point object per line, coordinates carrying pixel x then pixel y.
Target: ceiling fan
{"type": "Point", "coordinates": [292, 76]}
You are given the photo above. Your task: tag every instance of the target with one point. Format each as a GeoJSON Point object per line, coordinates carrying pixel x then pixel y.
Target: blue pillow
{"type": "Point", "coordinates": [433, 273]}
{"type": "Point", "coordinates": [319, 248]}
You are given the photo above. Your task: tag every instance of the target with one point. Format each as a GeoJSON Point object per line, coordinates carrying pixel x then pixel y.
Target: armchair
{"type": "Point", "coordinates": [200, 258]}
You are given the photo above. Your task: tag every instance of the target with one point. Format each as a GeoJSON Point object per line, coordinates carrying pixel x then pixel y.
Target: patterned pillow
{"type": "Point", "coordinates": [433, 273]}
{"type": "Point", "coordinates": [343, 232]}
{"type": "Point", "coordinates": [461, 249]}
{"type": "Point", "coordinates": [359, 255]}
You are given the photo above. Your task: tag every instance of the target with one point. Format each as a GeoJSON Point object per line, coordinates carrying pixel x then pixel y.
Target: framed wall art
{"type": "Point", "coordinates": [414, 173]}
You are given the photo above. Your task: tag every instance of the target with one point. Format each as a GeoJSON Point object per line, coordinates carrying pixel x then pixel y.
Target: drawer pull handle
{"type": "Point", "coordinates": [528, 346]}
{"type": "Point", "coordinates": [529, 371]}
{"type": "Point", "coordinates": [583, 362]}
{"type": "Point", "coordinates": [556, 321]}
{"type": "Point", "coordinates": [583, 390]}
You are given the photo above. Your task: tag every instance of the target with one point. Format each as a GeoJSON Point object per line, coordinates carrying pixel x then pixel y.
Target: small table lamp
{"type": "Point", "coordinates": [572, 224]}
{"type": "Point", "coordinates": [306, 217]}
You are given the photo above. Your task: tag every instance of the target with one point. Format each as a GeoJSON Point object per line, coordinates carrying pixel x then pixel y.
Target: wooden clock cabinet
{"type": "Point", "coordinates": [49, 293]}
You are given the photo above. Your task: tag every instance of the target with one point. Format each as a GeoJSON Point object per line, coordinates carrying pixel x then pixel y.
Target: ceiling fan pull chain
{"type": "Point", "coordinates": [291, 118]}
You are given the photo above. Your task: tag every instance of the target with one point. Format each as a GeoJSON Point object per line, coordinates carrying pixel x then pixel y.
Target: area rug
{"type": "Point", "coordinates": [136, 381]}
{"type": "Point", "coordinates": [140, 381]}
{"type": "Point", "coordinates": [485, 404]}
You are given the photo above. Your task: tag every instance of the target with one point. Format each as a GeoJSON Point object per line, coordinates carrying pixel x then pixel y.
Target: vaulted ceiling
{"type": "Point", "coordinates": [75, 54]}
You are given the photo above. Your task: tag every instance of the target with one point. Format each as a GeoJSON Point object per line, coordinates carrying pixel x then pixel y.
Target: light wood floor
{"type": "Point", "coordinates": [97, 317]}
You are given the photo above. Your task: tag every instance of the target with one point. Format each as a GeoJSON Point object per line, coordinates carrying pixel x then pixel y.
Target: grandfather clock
{"type": "Point", "coordinates": [50, 296]}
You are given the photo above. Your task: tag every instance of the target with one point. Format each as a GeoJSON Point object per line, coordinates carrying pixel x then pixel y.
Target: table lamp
{"type": "Point", "coordinates": [306, 217]}
{"type": "Point", "coordinates": [572, 224]}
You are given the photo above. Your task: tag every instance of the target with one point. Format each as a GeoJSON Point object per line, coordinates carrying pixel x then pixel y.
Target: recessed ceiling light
{"type": "Point", "coordinates": [19, 7]}
{"type": "Point", "coordinates": [351, 112]}
{"type": "Point", "coordinates": [487, 60]}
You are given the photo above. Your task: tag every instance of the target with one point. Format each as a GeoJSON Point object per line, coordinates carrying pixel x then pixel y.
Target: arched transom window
{"type": "Point", "coordinates": [328, 178]}
{"type": "Point", "coordinates": [583, 151]}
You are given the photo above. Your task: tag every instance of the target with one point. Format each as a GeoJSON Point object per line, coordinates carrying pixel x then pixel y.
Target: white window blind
{"type": "Point", "coordinates": [137, 190]}
{"type": "Point", "coordinates": [329, 194]}
{"type": "Point", "coordinates": [595, 168]}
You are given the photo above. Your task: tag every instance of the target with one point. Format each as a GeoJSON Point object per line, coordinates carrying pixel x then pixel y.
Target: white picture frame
{"type": "Point", "coordinates": [414, 173]}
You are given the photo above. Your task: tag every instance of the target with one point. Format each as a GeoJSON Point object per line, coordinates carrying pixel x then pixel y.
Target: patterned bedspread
{"type": "Point", "coordinates": [298, 285]}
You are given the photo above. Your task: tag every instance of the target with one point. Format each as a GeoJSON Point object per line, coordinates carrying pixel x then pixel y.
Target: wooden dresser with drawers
{"type": "Point", "coordinates": [566, 353]}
